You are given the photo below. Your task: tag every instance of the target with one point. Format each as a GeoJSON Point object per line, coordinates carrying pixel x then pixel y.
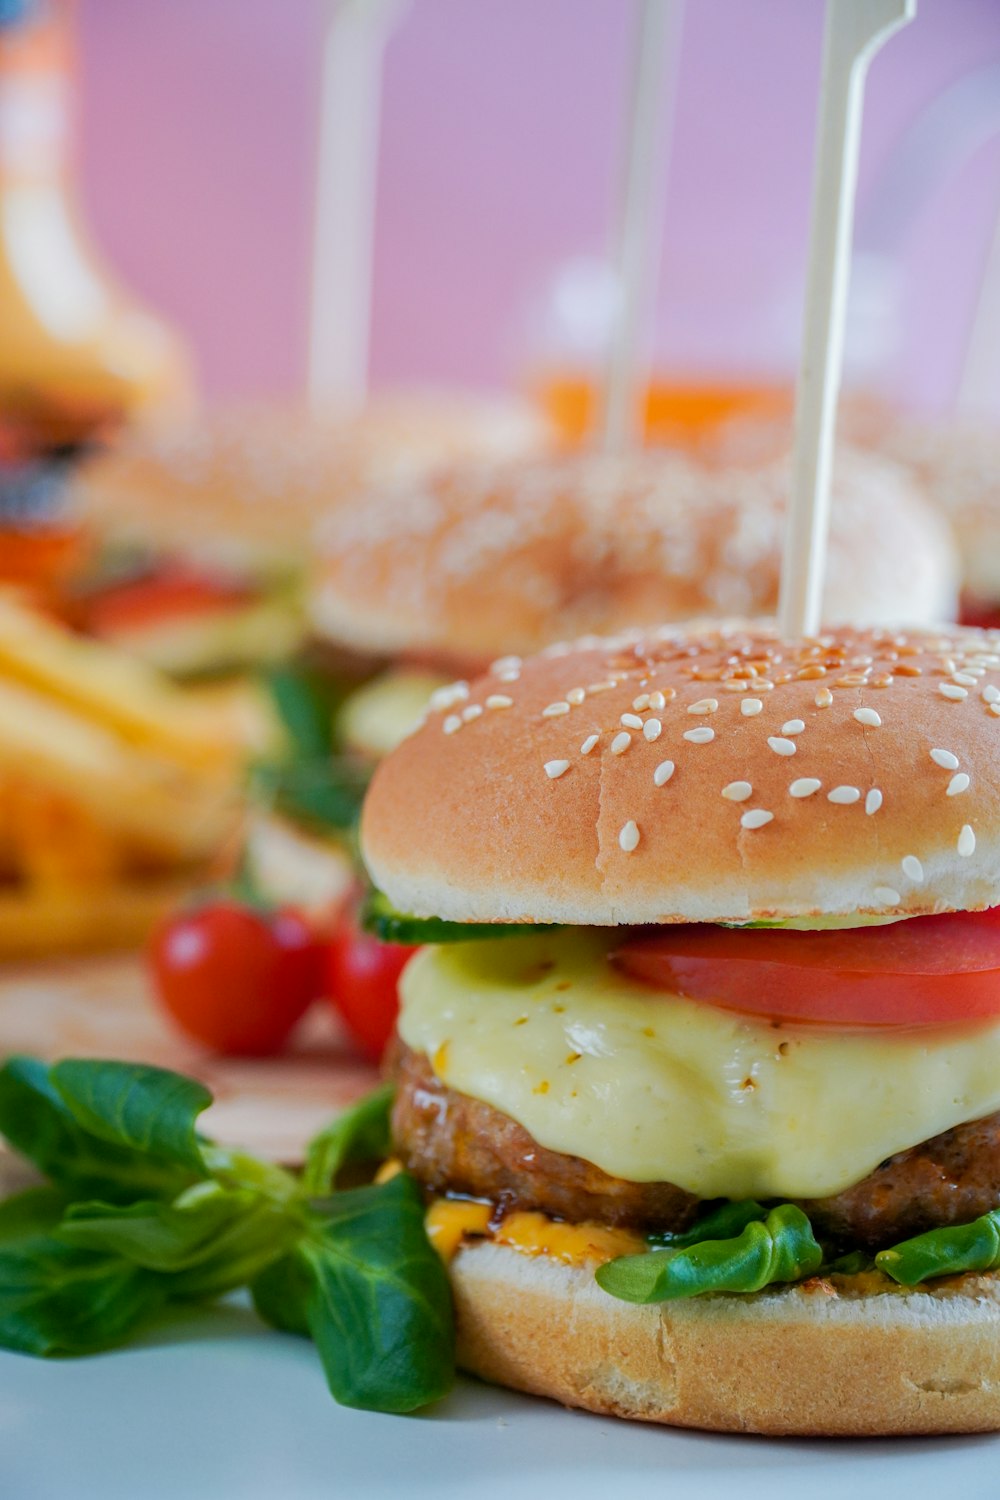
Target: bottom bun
{"type": "Point", "coordinates": [813, 1362]}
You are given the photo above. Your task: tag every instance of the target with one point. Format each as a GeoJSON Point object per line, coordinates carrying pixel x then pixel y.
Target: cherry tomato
{"type": "Point", "coordinates": [927, 971]}
{"type": "Point", "coordinates": [236, 978]}
{"type": "Point", "coordinates": [362, 983]}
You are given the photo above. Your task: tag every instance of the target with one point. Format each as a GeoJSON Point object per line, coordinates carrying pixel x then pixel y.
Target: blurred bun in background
{"type": "Point", "coordinates": [477, 560]}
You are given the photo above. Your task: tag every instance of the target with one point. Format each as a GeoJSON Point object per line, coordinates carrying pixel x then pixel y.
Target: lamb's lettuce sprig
{"type": "Point", "coordinates": [142, 1210]}
{"type": "Point", "coordinates": [781, 1248]}
{"type": "Point", "coordinates": [949, 1251]}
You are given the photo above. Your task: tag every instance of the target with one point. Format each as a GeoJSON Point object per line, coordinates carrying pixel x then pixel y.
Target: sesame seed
{"type": "Point", "coordinates": [699, 736]}
{"type": "Point", "coordinates": [868, 716]}
{"type": "Point", "coordinates": [756, 818]}
{"type": "Point", "coordinates": [793, 726]}
{"type": "Point", "coordinates": [873, 801]}
{"type": "Point", "coordinates": [945, 759]}
{"type": "Point", "coordinates": [804, 787]}
{"type": "Point", "coordinates": [663, 772]}
{"type": "Point", "coordinates": [958, 784]}
{"type": "Point", "coordinates": [823, 698]}
{"type": "Point", "coordinates": [554, 768]}
{"type": "Point", "coordinates": [780, 746]}
{"type": "Point", "coordinates": [631, 721]}
{"type": "Point", "coordinates": [657, 701]}
{"type": "Point", "coordinates": [737, 791]}
{"type": "Point", "coordinates": [735, 685]}
{"type": "Point", "coordinates": [451, 723]}
{"type": "Point", "coordinates": [750, 706]}
{"type": "Point", "coordinates": [965, 678]}
{"type": "Point", "coordinates": [991, 694]}
{"type": "Point", "coordinates": [554, 710]}
{"type": "Point", "coordinates": [886, 895]}
{"type": "Point", "coordinates": [576, 696]}
{"type": "Point", "coordinates": [844, 795]}
{"type": "Point", "coordinates": [506, 664]}
{"type": "Point", "coordinates": [913, 869]}
{"type": "Point", "coordinates": [589, 744]}
{"type": "Point", "coordinates": [703, 706]}
{"type": "Point", "coordinates": [620, 743]}
{"type": "Point", "coordinates": [652, 729]}
{"type": "Point", "coordinates": [499, 700]}
{"type": "Point", "coordinates": [966, 842]}
{"type": "Point", "coordinates": [994, 708]}
{"type": "Point", "coordinates": [511, 676]}
{"type": "Point", "coordinates": [629, 837]}
{"type": "Point", "coordinates": [951, 690]}
{"type": "Point", "coordinates": [446, 697]}
{"type": "Point", "coordinates": [472, 712]}
{"type": "Point", "coordinates": [641, 702]}
{"type": "Point", "coordinates": [600, 687]}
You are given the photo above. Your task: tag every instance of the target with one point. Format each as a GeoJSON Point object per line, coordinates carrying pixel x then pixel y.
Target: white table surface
{"type": "Point", "coordinates": [212, 1407]}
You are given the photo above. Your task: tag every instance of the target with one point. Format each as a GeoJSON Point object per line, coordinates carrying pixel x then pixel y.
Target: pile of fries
{"type": "Point", "coordinates": [118, 789]}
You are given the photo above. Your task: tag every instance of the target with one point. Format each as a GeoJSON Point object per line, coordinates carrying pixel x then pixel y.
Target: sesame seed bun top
{"type": "Point", "coordinates": [706, 775]}
{"type": "Point", "coordinates": [479, 559]}
{"type": "Point", "coordinates": [246, 485]}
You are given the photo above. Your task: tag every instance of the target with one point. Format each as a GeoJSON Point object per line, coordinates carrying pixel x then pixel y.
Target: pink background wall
{"type": "Point", "coordinates": [499, 145]}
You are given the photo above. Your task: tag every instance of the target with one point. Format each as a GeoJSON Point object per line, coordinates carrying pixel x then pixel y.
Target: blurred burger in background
{"type": "Point", "coordinates": [959, 466]}
{"type": "Point", "coordinates": [201, 533]}
{"type": "Point", "coordinates": [481, 560]}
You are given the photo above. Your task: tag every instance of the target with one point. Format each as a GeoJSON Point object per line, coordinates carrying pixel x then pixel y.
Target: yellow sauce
{"type": "Point", "coordinates": [654, 1087]}
{"type": "Point", "coordinates": [452, 1221]}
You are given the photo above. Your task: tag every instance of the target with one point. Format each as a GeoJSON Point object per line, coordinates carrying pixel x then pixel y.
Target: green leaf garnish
{"type": "Point", "coordinates": [323, 794]}
{"type": "Point", "coordinates": [143, 1211]}
{"type": "Point", "coordinates": [379, 1307]}
{"type": "Point", "coordinates": [379, 916]}
{"type": "Point", "coordinates": [945, 1252]}
{"type": "Point", "coordinates": [305, 708]}
{"type": "Point", "coordinates": [359, 1134]}
{"type": "Point", "coordinates": [144, 1109]}
{"type": "Point", "coordinates": [39, 1123]}
{"type": "Point", "coordinates": [57, 1299]}
{"type": "Point", "coordinates": [720, 1223]}
{"type": "Point", "coordinates": [780, 1249]}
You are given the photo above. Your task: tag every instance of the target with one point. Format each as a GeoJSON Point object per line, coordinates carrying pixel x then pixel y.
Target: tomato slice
{"type": "Point", "coordinates": [983, 613]}
{"type": "Point", "coordinates": [165, 595]}
{"type": "Point", "coordinates": [925, 971]}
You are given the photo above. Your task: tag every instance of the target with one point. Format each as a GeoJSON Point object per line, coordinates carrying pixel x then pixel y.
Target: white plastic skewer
{"type": "Point", "coordinates": [343, 236]}
{"type": "Point", "coordinates": [855, 30]}
{"type": "Point", "coordinates": [657, 48]}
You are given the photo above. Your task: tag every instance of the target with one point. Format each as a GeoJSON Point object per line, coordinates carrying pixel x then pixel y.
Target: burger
{"type": "Point", "coordinates": [959, 467]}
{"type": "Point", "coordinates": [476, 559]}
{"type": "Point", "coordinates": [699, 1062]}
{"type": "Point", "coordinates": [202, 532]}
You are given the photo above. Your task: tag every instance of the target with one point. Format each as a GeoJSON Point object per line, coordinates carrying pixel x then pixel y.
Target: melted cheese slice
{"type": "Point", "coordinates": [653, 1087]}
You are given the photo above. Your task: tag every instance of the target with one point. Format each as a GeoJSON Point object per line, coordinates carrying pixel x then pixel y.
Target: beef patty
{"type": "Point", "coordinates": [451, 1142]}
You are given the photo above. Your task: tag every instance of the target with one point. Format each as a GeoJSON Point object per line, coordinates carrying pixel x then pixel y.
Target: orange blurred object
{"type": "Point", "coordinates": [77, 356]}
{"type": "Point", "coordinates": [676, 411]}
{"type": "Point", "coordinates": [40, 561]}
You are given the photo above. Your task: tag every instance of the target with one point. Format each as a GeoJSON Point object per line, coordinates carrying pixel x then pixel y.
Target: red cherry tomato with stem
{"type": "Point", "coordinates": [235, 977]}
{"type": "Point", "coordinates": [362, 975]}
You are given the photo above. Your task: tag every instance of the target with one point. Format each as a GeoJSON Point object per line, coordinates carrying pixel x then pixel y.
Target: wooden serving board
{"type": "Point", "coordinates": [103, 1007]}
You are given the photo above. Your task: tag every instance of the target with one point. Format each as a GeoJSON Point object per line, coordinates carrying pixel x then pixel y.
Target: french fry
{"type": "Point", "coordinates": [120, 914]}
{"type": "Point", "coordinates": [114, 689]}
{"type": "Point", "coordinates": [162, 810]}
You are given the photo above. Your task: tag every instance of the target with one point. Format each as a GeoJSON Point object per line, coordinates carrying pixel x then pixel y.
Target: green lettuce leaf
{"type": "Point", "coordinates": [780, 1249]}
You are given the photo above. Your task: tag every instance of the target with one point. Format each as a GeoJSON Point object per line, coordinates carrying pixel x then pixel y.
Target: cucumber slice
{"type": "Point", "coordinates": [380, 917]}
